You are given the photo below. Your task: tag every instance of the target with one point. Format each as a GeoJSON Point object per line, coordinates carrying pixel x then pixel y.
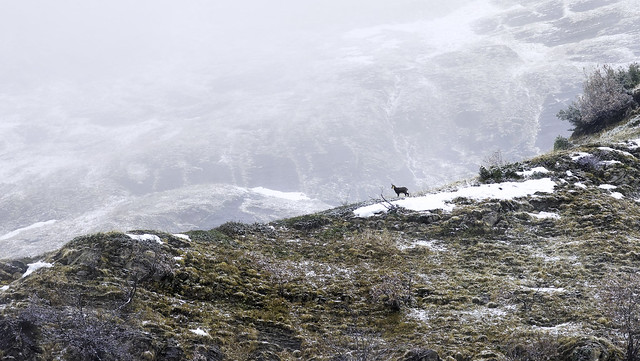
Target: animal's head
{"type": "Point", "coordinates": [393, 187]}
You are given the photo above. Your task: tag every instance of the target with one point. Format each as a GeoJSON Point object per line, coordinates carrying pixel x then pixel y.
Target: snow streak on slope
{"type": "Point", "coordinates": [502, 191]}
{"type": "Point", "coordinates": [20, 230]}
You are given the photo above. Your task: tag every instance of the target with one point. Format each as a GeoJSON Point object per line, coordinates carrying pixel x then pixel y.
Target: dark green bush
{"type": "Point", "coordinates": [232, 229]}
{"type": "Point", "coordinates": [561, 143]}
{"type": "Point", "coordinates": [490, 174]}
{"type": "Point", "coordinates": [630, 78]}
{"type": "Point", "coordinates": [494, 174]}
{"type": "Point", "coordinates": [393, 291]}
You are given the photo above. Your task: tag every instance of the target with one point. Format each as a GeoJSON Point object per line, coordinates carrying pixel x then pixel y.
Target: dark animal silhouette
{"type": "Point", "coordinates": [400, 190]}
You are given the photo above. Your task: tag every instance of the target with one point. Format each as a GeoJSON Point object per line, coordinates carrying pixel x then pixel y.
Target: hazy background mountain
{"type": "Point", "coordinates": [182, 115]}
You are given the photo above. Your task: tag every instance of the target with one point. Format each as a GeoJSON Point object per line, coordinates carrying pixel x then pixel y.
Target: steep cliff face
{"type": "Point", "coordinates": [486, 274]}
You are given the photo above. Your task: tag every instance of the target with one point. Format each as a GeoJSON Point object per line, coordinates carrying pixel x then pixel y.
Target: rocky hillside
{"type": "Point", "coordinates": [542, 276]}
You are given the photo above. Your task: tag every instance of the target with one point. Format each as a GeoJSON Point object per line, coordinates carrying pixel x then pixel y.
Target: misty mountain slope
{"type": "Point", "coordinates": [178, 210]}
{"type": "Point", "coordinates": [531, 262]}
{"type": "Point", "coordinates": [332, 100]}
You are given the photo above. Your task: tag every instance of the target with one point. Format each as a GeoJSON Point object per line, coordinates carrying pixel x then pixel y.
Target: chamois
{"type": "Point", "coordinates": [400, 190]}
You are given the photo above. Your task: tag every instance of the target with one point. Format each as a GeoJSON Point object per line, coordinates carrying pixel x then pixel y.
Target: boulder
{"type": "Point", "coordinates": [589, 349]}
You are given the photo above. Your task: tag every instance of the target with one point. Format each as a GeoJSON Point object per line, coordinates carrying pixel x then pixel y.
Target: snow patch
{"type": "Point", "coordinates": [607, 186]}
{"type": "Point", "coordinates": [608, 149]}
{"type": "Point", "coordinates": [616, 195]}
{"type": "Point", "coordinates": [36, 266]}
{"type": "Point", "coordinates": [548, 290]}
{"type": "Point", "coordinates": [182, 236]}
{"type": "Point", "coordinates": [200, 332]}
{"type": "Point", "coordinates": [610, 162]}
{"type": "Point", "coordinates": [528, 173]}
{"type": "Point", "coordinates": [502, 191]}
{"type": "Point", "coordinates": [145, 237]}
{"type": "Point", "coordinates": [20, 230]}
{"type": "Point", "coordinates": [292, 196]}
{"type": "Point", "coordinates": [579, 155]}
{"type": "Point", "coordinates": [4, 288]}
{"type": "Point", "coordinates": [545, 215]}
{"type": "Point", "coordinates": [634, 144]}
{"type": "Point", "coordinates": [431, 244]}
{"type": "Point", "coordinates": [580, 185]}
{"type": "Point", "coordinates": [418, 314]}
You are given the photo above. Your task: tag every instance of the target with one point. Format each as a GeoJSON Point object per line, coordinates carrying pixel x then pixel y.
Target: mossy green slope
{"type": "Point", "coordinates": [485, 281]}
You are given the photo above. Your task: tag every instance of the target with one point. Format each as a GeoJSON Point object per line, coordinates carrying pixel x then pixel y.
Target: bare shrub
{"type": "Point", "coordinates": [95, 337]}
{"type": "Point", "coordinates": [589, 162]}
{"type": "Point", "coordinates": [145, 262]}
{"type": "Point", "coordinates": [77, 334]}
{"type": "Point", "coordinates": [359, 345]}
{"type": "Point", "coordinates": [495, 168]}
{"type": "Point", "coordinates": [279, 273]}
{"type": "Point", "coordinates": [495, 159]}
{"type": "Point", "coordinates": [540, 348]}
{"type": "Point", "coordinates": [621, 304]}
{"type": "Point", "coordinates": [604, 100]}
{"type": "Point", "coordinates": [381, 241]}
{"type": "Point", "coordinates": [394, 291]}
{"type": "Point", "coordinates": [18, 337]}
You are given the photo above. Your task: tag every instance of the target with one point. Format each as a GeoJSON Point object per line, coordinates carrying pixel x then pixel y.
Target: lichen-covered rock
{"type": "Point", "coordinates": [488, 355]}
{"type": "Point", "coordinates": [421, 355]}
{"type": "Point", "coordinates": [589, 349]}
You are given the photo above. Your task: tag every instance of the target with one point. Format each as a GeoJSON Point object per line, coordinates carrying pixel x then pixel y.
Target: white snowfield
{"type": "Point", "coordinates": [145, 237]}
{"type": "Point", "coordinates": [501, 191]}
{"type": "Point", "coordinates": [199, 331]}
{"type": "Point", "coordinates": [182, 236]}
{"type": "Point", "coordinates": [32, 267]}
{"type": "Point", "coordinates": [528, 173]}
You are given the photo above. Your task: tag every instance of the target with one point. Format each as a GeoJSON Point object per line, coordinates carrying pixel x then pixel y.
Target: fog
{"type": "Point", "coordinates": [88, 40]}
{"type": "Point", "coordinates": [176, 115]}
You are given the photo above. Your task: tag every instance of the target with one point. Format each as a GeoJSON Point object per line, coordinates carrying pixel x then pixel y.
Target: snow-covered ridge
{"type": "Point", "coordinates": [503, 191]}
{"type": "Point", "coordinates": [175, 210]}
{"type": "Point", "coordinates": [511, 190]}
